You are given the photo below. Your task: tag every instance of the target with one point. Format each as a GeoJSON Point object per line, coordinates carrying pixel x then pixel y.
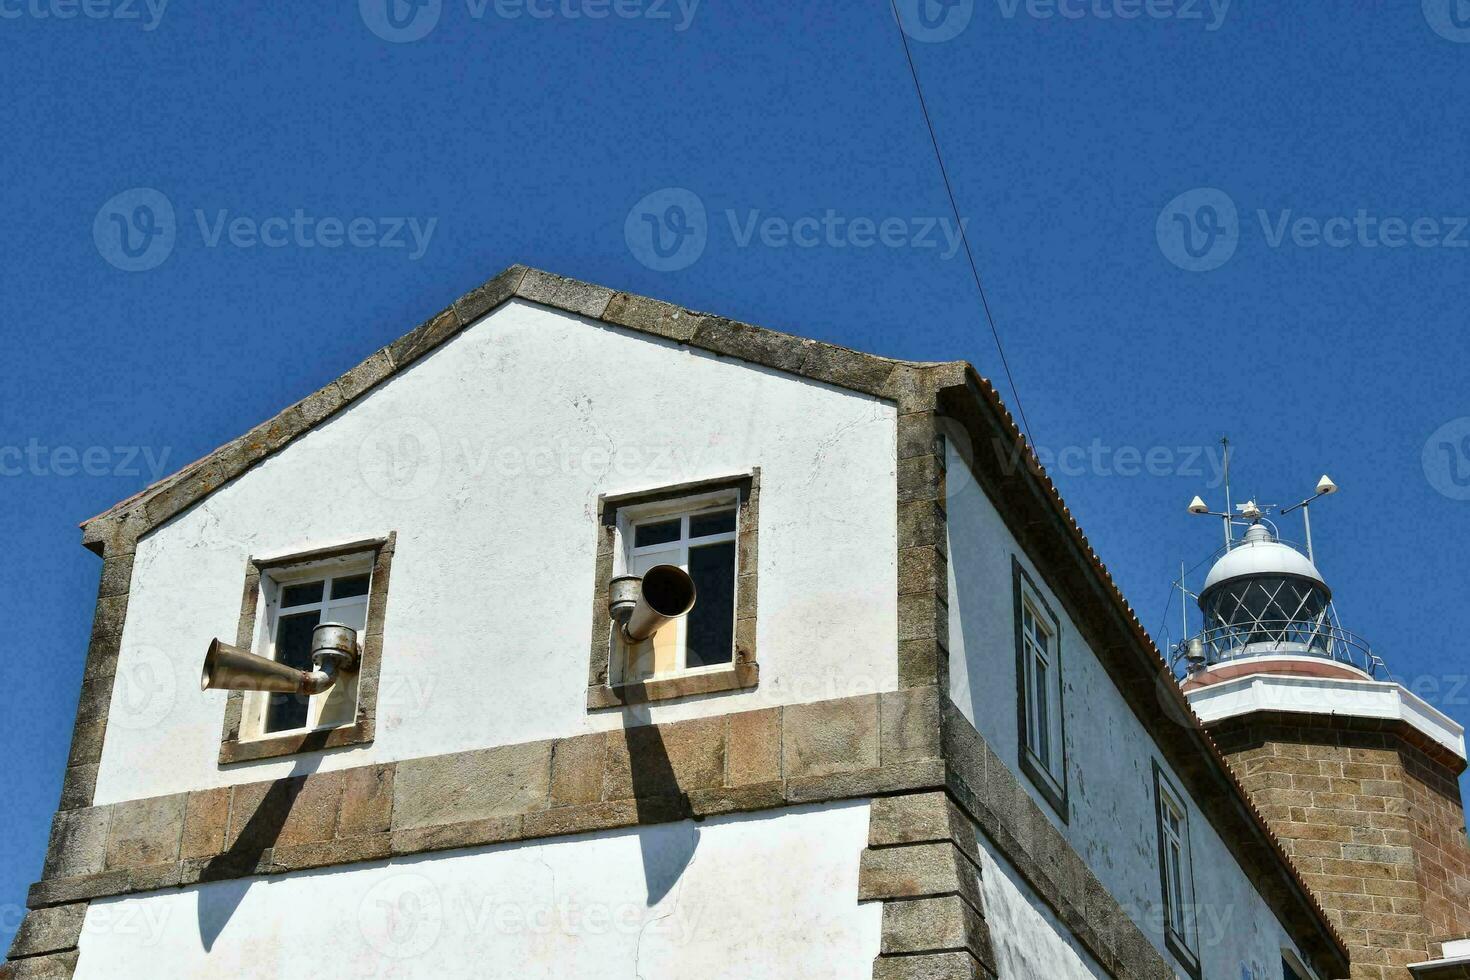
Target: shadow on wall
{"type": "Point", "coordinates": [665, 851]}
{"type": "Point", "coordinates": [217, 905]}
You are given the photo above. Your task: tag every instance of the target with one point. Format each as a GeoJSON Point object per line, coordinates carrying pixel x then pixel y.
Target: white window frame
{"type": "Point", "coordinates": [1040, 705]}
{"type": "Point", "coordinates": [1176, 871]}
{"type": "Point", "coordinates": [342, 696]}
{"type": "Point", "coordinates": [676, 552]}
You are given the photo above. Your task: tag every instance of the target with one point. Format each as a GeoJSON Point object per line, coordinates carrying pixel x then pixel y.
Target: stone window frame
{"type": "Point", "coordinates": [1182, 947]}
{"type": "Point", "coordinates": [744, 672]}
{"type": "Point", "coordinates": [1053, 788]}
{"type": "Point", "coordinates": [362, 729]}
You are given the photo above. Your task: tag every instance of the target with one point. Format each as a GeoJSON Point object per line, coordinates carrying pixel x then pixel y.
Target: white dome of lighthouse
{"type": "Point", "coordinates": [1259, 554]}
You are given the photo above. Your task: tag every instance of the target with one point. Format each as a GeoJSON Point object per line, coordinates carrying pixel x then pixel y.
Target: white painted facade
{"type": "Point", "coordinates": [1109, 754]}
{"type": "Point", "coordinates": [1029, 940]}
{"type": "Point", "coordinates": [488, 458]}
{"type": "Point", "coordinates": [760, 895]}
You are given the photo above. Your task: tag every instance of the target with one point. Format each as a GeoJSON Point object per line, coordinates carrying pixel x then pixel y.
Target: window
{"type": "Point", "coordinates": [703, 543]}
{"type": "Point", "coordinates": [1039, 691]}
{"type": "Point", "coordinates": [1176, 873]}
{"type": "Point", "coordinates": [1288, 972]}
{"type": "Point", "coordinates": [301, 599]}
{"type": "Point", "coordinates": [284, 600]}
{"type": "Point", "coordinates": [709, 530]}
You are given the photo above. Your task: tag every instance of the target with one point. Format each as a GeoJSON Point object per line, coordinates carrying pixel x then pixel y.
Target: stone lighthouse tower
{"type": "Point", "coordinates": [1357, 775]}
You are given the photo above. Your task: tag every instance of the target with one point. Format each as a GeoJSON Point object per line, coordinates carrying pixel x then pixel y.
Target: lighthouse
{"type": "Point", "coordinates": [1355, 773]}
{"type": "Point", "coordinates": [1267, 608]}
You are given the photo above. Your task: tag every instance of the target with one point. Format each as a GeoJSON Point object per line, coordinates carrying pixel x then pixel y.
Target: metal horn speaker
{"type": "Point", "coordinates": [230, 668]}
{"type": "Point", "coordinates": [641, 604]}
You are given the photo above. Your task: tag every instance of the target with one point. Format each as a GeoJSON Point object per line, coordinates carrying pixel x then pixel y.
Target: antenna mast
{"type": "Point", "coordinates": [1225, 441]}
{"type": "Point", "coordinates": [1183, 605]}
{"type": "Point", "coordinates": [1325, 486]}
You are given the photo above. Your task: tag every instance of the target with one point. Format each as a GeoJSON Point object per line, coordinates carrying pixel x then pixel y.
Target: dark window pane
{"type": "Point", "coordinates": [293, 647]}
{"type": "Point", "coordinates": [1043, 719]}
{"type": "Point", "coordinates": [660, 533]}
{"type": "Point", "coordinates": [300, 595]}
{"type": "Point", "coordinates": [706, 524]}
{"type": "Point", "coordinates": [346, 588]}
{"type": "Point", "coordinates": [711, 634]}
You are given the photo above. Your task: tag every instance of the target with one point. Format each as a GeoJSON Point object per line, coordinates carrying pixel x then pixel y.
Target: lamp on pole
{"type": "Point", "coordinates": [1198, 507]}
{"type": "Point", "coordinates": [1325, 487]}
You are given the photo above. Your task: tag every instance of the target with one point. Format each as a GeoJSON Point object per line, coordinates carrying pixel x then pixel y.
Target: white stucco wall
{"type": "Point", "coordinates": [487, 458]}
{"type": "Point", "coordinates": [1110, 754]}
{"type": "Point", "coordinates": [760, 896]}
{"type": "Point", "coordinates": [1029, 940]}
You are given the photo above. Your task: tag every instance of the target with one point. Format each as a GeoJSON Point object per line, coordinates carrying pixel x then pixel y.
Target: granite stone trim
{"type": "Point", "coordinates": [97, 676]}
{"type": "Point", "coordinates": [52, 966]}
{"type": "Point", "coordinates": [923, 865]}
{"type": "Point", "coordinates": [52, 930]}
{"type": "Point", "coordinates": [363, 728]}
{"type": "Point", "coordinates": [753, 760]}
{"type": "Point", "coordinates": [744, 670]}
{"type": "Point", "coordinates": [740, 677]}
{"type": "Point", "coordinates": [923, 576]}
{"type": "Point", "coordinates": [930, 966]}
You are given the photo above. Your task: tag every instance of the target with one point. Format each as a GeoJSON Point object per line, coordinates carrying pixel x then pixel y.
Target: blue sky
{"type": "Point", "coordinates": [1193, 219]}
